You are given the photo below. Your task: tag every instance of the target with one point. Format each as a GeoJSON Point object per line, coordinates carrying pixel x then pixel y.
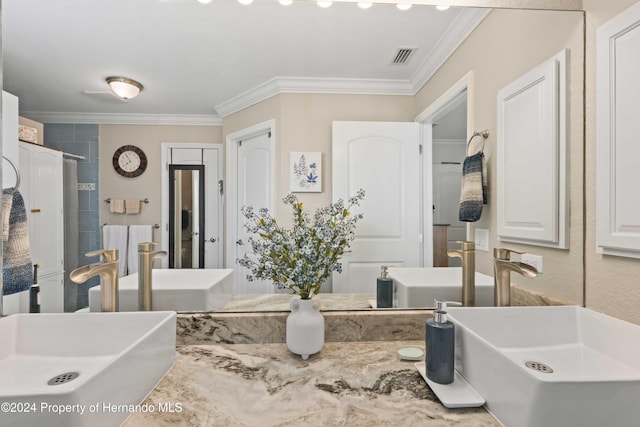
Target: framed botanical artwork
{"type": "Point", "coordinates": [306, 172]}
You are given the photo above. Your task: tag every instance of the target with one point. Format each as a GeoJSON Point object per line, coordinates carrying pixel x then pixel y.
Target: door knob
{"type": "Point", "coordinates": [239, 242]}
{"type": "Point", "coordinates": [212, 240]}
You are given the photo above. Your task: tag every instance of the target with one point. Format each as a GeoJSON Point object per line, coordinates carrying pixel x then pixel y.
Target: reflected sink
{"type": "Point", "coordinates": [584, 366]}
{"type": "Point", "coordinates": [81, 359]}
{"type": "Point", "coordinates": [176, 290]}
{"type": "Point", "coordinates": [418, 287]}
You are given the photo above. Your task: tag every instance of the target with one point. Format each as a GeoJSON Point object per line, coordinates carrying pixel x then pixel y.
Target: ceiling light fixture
{"type": "Point", "coordinates": [245, 2]}
{"type": "Point", "coordinates": [364, 5]}
{"type": "Point", "coordinates": [403, 6]}
{"type": "Point", "coordinates": [285, 2]}
{"type": "Point", "coordinates": [324, 3]}
{"type": "Point", "coordinates": [443, 7]}
{"type": "Point", "coordinates": [205, 1]}
{"type": "Point", "coordinates": [123, 87]}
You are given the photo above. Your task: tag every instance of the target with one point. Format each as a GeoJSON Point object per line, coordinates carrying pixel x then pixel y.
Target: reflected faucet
{"type": "Point", "coordinates": [145, 265]}
{"type": "Point", "coordinates": [467, 253]}
{"type": "Point", "coordinates": [107, 269]}
{"type": "Point", "coordinates": [502, 268]}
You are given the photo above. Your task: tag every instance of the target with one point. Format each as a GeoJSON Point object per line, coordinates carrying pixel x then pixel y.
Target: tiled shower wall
{"type": "Point", "coordinates": [82, 140]}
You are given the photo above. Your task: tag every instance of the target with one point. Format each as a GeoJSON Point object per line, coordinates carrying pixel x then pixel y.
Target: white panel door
{"type": "Point", "coordinates": [213, 227]}
{"type": "Point", "coordinates": [618, 92]}
{"type": "Point", "coordinates": [254, 164]}
{"type": "Point", "coordinates": [384, 160]}
{"type": "Point", "coordinates": [210, 158]}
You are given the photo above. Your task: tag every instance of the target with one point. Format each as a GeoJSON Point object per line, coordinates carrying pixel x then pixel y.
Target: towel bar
{"type": "Point", "coordinates": [15, 168]}
{"type": "Point", "coordinates": [156, 226]}
{"type": "Point", "coordinates": [484, 134]}
{"type": "Point", "coordinates": [109, 200]}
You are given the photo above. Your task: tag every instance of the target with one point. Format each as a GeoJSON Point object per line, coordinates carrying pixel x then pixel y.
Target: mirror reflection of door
{"type": "Point", "coordinates": [449, 146]}
{"type": "Point", "coordinates": [186, 216]}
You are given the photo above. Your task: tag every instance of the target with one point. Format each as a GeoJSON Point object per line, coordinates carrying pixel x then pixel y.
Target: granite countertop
{"type": "Point", "coordinates": [346, 384]}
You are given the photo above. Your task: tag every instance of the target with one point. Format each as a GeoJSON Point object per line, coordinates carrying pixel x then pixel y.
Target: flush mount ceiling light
{"type": "Point", "coordinates": [245, 2]}
{"type": "Point", "coordinates": [364, 5]}
{"type": "Point", "coordinates": [123, 87]}
{"type": "Point", "coordinates": [205, 1]}
{"type": "Point", "coordinates": [403, 6]}
{"type": "Point", "coordinates": [324, 4]}
{"type": "Point", "coordinates": [443, 7]}
{"type": "Point", "coordinates": [285, 2]}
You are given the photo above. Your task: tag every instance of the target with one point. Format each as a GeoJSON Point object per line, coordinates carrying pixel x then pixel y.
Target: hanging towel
{"type": "Point", "coordinates": [485, 181]}
{"type": "Point", "coordinates": [116, 206]}
{"type": "Point", "coordinates": [132, 206]}
{"type": "Point", "coordinates": [115, 237]}
{"type": "Point", "coordinates": [137, 234]}
{"type": "Point", "coordinates": [17, 268]}
{"type": "Point", "coordinates": [474, 188]}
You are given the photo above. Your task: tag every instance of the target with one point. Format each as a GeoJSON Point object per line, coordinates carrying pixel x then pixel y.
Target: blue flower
{"type": "Point", "coordinates": [311, 178]}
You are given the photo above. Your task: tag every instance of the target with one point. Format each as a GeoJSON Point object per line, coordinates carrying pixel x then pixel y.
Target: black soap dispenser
{"type": "Point", "coordinates": [440, 343]}
{"type": "Point", "coordinates": [384, 289]}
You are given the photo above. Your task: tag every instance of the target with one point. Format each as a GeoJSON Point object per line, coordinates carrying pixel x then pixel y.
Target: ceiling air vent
{"type": "Point", "coordinates": [403, 55]}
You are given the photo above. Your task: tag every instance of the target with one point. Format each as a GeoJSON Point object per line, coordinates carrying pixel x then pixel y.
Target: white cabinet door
{"type": "Point", "coordinates": [384, 160]}
{"type": "Point", "coordinates": [9, 137]}
{"type": "Point", "coordinates": [531, 157]}
{"type": "Point", "coordinates": [41, 186]}
{"type": "Point", "coordinates": [618, 92]}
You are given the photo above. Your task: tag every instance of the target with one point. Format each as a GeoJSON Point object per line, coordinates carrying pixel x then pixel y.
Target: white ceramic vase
{"type": "Point", "coordinates": [305, 327]}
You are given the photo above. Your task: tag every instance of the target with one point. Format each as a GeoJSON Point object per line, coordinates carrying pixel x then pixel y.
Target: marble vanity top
{"type": "Point", "coordinates": [347, 384]}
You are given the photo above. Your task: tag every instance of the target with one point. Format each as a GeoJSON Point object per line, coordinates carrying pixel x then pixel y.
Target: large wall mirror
{"type": "Point", "coordinates": [490, 51]}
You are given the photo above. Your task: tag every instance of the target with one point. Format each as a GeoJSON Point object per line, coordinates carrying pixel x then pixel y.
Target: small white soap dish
{"type": "Point", "coordinates": [458, 394]}
{"type": "Point", "coordinates": [410, 353]}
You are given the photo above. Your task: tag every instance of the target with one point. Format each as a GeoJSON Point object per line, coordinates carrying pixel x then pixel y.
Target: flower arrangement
{"type": "Point", "coordinates": [300, 258]}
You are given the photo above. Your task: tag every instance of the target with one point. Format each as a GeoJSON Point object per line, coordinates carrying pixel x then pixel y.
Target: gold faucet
{"type": "Point", "coordinates": [145, 265]}
{"type": "Point", "coordinates": [468, 255]}
{"type": "Point", "coordinates": [107, 269]}
{"type": "Point", "coordinates": [502, 268]}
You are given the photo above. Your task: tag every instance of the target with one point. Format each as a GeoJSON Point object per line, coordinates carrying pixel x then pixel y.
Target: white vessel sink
{"type": "Point", "coordinates": [418, 287]}
{"type": "Point", "coordinates": [118, 359]}
{"type": "Point", "coordinates": [595, 361]}
{"type": "Point", "coordinates": [176, 290]}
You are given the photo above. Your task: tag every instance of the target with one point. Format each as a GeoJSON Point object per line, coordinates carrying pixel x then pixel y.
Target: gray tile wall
{"type": "Point", "coordinates": [82, 139]}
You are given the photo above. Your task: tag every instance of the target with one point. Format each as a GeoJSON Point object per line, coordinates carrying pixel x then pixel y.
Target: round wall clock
{"type": "Point", "coordinates": [129, 161]}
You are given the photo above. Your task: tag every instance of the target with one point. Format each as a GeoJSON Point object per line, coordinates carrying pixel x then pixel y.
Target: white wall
{"type": "Point", "coordinates": [504, 46]}
{"type": "Point", "coordinates": [147, 185]}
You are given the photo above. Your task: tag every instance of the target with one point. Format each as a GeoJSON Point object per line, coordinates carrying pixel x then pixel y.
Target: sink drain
{"type": "Point", "coordinates": [63, 378]}
{"type": "Point", "coordinates": [538, 366]}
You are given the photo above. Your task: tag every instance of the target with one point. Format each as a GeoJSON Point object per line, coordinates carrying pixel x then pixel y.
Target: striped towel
{"type": "Point", "coordinates": [17, 268]}
{"type": "Point", "coordinates": [474, 188]}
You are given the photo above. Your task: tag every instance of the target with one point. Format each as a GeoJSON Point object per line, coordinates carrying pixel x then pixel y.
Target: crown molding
{"type": "Point", "coordinates": [124, 119]}
{"type": "Point", "coordinates": [459, 30]}
{"type": "Point", "coordinates": [279, 85]}
{"type": "Point", "coordinates": [464, 24]}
